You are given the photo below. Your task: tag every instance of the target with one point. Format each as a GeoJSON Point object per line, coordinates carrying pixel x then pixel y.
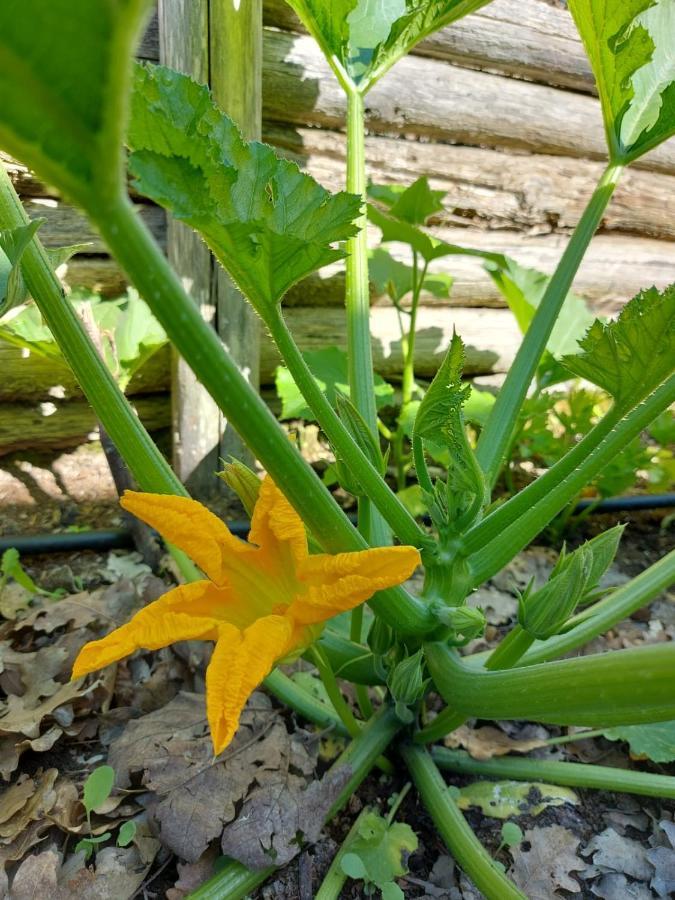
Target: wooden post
{"type": "Point", "coordinates": [217, 42]}
{"type": "Point", "coordinates": [236, 82]}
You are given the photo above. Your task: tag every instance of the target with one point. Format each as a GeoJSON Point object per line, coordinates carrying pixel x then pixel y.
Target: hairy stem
{"type": "Point", "coordinates": [497, 432]}
{"type": "Point", "coordinates": [460, 840]}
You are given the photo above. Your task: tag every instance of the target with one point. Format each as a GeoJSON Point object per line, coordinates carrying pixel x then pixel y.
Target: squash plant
{"type": "Point", "coordinates": [69, 116]}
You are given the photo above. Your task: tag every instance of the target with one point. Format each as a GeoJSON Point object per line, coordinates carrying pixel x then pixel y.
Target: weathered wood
{"type": "Point", "coordinates": [613, 270]}
{"type": "Point", "coordinates": [184, 45]}
{"type": "Point", "coordinates": [53, 424]}
{"type": "Point", "coordinates": [27, 376]}
{"type": "Point", "coordinates": [523, 38]}
{"type": "Point", "coordinates": [432, 99]}
{"type": "Point", "coordinates": [491, 188]}
{"type": "Point", "coordinates": [235, 34]}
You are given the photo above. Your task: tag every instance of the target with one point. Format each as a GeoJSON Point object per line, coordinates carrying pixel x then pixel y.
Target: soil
{"type": "Point", "coordinates": [74, 489]}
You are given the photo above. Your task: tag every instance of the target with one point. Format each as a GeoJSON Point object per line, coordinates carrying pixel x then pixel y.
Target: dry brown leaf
{"type": "Point", "coordinates": [110, 607]}
{"type": "Point", "coordinates": [31, 676]}
{"type": "Point", "coordinates": [487, 742]}
{"type": "Point", "coordinates": [37, 876]}
{"type": "Point", "coordinates": [15, 797]}
{"type": "Point", "coordinates": [11, 748]}
{"type": "Point", "coordinates": [545, 868]}
{"type": "Point", "coordinates": [192, 875]}
{"type": "Point", "coordinates": [14, 599]}
{"type": "Point", "coordinates": [17, 719]}
{"type": "Point", "coordinates": [613, 852]}
{"type": "Point", "coordinates": [37, 804]}
{"type": "Point", "coordinates": [172, 749]}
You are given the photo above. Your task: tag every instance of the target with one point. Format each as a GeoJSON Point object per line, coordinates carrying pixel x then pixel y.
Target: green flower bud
{"type": "Point", "coordinates": [243, 482]}
{"type": "Point", "coordinates": [542, 613]}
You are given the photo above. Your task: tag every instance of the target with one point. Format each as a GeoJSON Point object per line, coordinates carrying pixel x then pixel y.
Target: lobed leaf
{"type": "Point", "coordinates": [630, 47]}
{"type": "Point", "coordinates": [413, 204]}
{"type": "Point", "coordinates": [444, 397]}
{"type": "Point", "coordinates": [267, 223]}
{"type": "Point", "coordinates": [64, 71]}
{"type": "Point", "coordinates": [632, 355]}
{"type": "Point", "coordinates": [362, 39]}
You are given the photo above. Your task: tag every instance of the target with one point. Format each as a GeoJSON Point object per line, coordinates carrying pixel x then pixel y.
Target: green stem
{"type": "Point", "coordinates": [308, 706]}
{"type": "Point", "coordinates": [329, 680]}
{"type": "Point", "coordinates": [510, 650]}
{"type": "Point", "coordinates": [512, 526]}
{"type": "Point", "coordinates": [335, 878]}
{"type": "Point", "coordinates": [621, 687]}
{"type": "Point", "coordinates": [496, 434]}
{"type": "Point", "coordinates": [408, 384]}
{"type": "Point", "coordinates": [398, 517]}
{"type": "Point", "coordinates": [445, 723]}
{"type": "Point", "coordinates": [602, 778]}
{"type": "Point", "coordinates": [355, 662]}
{"type": "Point", "coordinates": [460, 840]}
{"type": "Point", "coordinates": [234, 881]}
{"type": "Point", "coordinates": [201, 348]}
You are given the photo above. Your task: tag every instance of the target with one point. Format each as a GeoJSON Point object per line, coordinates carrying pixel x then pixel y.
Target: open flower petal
{"type": "Point", "coordinates": [338, 583]}
{"type": "Point", "coordinates": [171, 618]}
{"type": "Point", "coordinates": [191, 527]}
{"type": "Point", "coordinates": [275, 522]}
{"type": "Point", "coordinates": [240, 661]}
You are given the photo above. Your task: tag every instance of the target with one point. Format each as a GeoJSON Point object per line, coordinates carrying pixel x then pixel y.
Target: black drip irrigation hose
{"type": "Point", "coordinates": [121, 538]}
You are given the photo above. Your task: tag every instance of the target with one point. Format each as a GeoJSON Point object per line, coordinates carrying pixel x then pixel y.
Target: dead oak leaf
{"type": "Point", "coordinates": [35, 805]}
{"type": "Point", "coordinates": [195, 794]}
{"type": "Point", "coordinates": [17, 719]}
{"type": "Point", "coordinates": [544, 869]}
{"type": "Point", "coordinates": [613, 852]}
{"type": "Point", "coordinates": [487, 742]}
{"type": "Point", "coordinates": [11, 748]}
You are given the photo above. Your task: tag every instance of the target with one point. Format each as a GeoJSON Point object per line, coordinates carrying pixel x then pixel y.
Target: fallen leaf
{"type": "Point", "coordinates": [192, 875]}
{"type": "Point", "coordinates": [14, 599]}
{"type": "Point", "coordinates": [663, 860]}
{"type": "Point", "coordinates": [499, 606]}
{"type": "Point", "coordinates": [545, 868]}
{"type": "Point", "coordinates": [125, 565]}
{"type": "Point", "coordinates": [36, 805]}
{"type": "Point", "coordinates": [15, 797]}
{"type": "Point", "coordinates": [18, 719]}
{"type": "Point", "coordinates": [612, 852]}
{"type": "Point", "coordinates": [614, 886]}
{"type": "Point", "coordinates": [37, 876]}
{"type": "Point", "coordinates": [504, 799]}
{"type": "Point", "coordinates": [487, 742]}
{"type": "Point", "coordinates": [655, 741]}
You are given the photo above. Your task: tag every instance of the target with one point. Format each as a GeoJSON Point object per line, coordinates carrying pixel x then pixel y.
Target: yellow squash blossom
{"type": "Point", "coordinates": [262, 602]}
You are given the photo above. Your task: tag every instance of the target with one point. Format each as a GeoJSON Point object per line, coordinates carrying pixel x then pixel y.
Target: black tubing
{"type": "Point", "coordinates": [121, 538]}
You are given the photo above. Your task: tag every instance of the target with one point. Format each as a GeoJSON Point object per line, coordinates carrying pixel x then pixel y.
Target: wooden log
{"type": "Point", "coordinates": [29, 377]}
{"type": "Point", "coordinates": [53, 424]}
{"type": "Point", "coordinates": [491, 336]}
{"type": "Point", "coordinates": [432, 99]}
{"type": "Point", "coordinates": [184, 40]}
{"type": "Point", "coordinates": [491, 188]}
{"type": "Point", "coordinates": [613, 270]}
{"type": "Point", "coordinates": [522, 38]}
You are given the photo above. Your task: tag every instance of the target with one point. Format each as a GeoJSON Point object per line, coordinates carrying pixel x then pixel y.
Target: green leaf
{"type": "Point", "coordinates": [389, 275]}
{"type": "Point", "coordinates": [379, 852]}
{"type": "Point", "coordinates": [523, 288]}
{"type": "Point", "coordinates": [64, 73]}
{"type": "Point", "coordinates": [10, 567]}
{"type": "Point", "coordinates": [656, 742]}
{"type": "Point", "coordinates": [391, 891]}
{"type": "Point", "coordinates": [512, 834]}
{"type": "Point", "coordinates": [329, 367]}
{"type": "Point", "coordinates": [501, 799]}
{"type": "Point", "coordinates": [630, 46]}
{"type": "Point", "coordinates": [269, 224]}
{"type": "Point", "coordinates": [97, 787]}
{"type": "Point", "coordinates": [126, 833]}
{"type": "Point", "coordinates": [13, 243]}
{"type": "Point", "coordinates": [137, 336]}
{"type": "Point", "coordinates": [632, 355]}
{"type": "Point", "coordinates": [88, 844]}
{"type": "Point", "coordinates": [414, 204]}
{"type": "Point", "coordinates": [362, 39]}
{"type": "Point", "coordinates": [444, 398]}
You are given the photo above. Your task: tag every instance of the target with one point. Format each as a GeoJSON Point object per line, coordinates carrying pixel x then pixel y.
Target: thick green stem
{"type": "Point", "coordinates": [408, 383]}
{"type": "Point", "coordinates": [234, 881]}
{"type": "Point", "coordinates": [602, 778]}
{"type": "Point", "coordinates": [621, 687]}
{"type": "Point", "coordinates": [334, 879]}
{"type": "Point", "coordinates": [139, 255]}
{"type": "Point", "coordinates": [510, 650]}
{"type": "Point", "coordinates": [460, 840]}
{"type": "Point", "coordinates": [445, 723]}
{"type": "Point", "coordinates": [497, 432]}
{"type": "Point", "coordinates": [302, 702]}
{"type": "Point", "coordinates": [402, 523]}
{"type": "Point", "coordinates": [329, 680]}
{"type": "Point", "coordinates": [497, 539]}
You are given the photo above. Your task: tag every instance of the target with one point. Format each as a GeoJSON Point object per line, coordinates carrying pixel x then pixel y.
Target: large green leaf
{"type": "Point", "coordinates": [414, 204]}
{"type": "Point", "coordinates": [64, 72]}
{"type": "Point", "coordinates": [656, 742]}
{"type": "Point", "coordinates": [362, 39]}
{"type": "Point", "coordinates": [268, 223]}
{"type": "Point", "coordinates": [631, 356]}
{"type": "Point", "coordinates": [630, 45]}
{"type": "Point", "coordinates": [329, 368]}
{"type": "Point", "coordinates": [396, 278]}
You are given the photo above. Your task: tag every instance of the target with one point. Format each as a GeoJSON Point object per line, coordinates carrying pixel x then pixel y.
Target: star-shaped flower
{"type": "Point", "coordinates": [263, 601]}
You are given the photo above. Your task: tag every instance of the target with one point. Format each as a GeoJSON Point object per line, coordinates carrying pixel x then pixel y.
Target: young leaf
{"type": "Point", "coordinates": [12, 245]}
{"type": "Point", "coordinates": [379, 852]}
{"type": "Point", "coordinates": [137, 336]}
{"type": "Point", "coordinates": [267, 223]}
{"type": "Point", "coordinates": [414, 204]}
{"type": "Point", "coordinates": [64, 71]}
{"type": "Point", "coordinates": [444, 397]}
{"type": "Point", "coordinates": [329, 367]}
{"type": "Point", "coordinates": [88, 844]}
{"type": "Point", "coordinates": [126, 833]}
{"type": "Point", "coordinates": [629, 44]}
{"type": "Point", "coordinates": [397, 278]}
{"type": "Point", "coordinates": [632, 355]}
{"type": "Point", "coordinates": [97, 787]}
{"type": "Point", "coordinates": [362, 39]}
{"type": "Point", "coordinates": [523, 288]}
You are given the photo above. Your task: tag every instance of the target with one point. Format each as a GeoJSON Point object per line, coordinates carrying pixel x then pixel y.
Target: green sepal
{"type": "Point", "coordinates": [406, 679]}
{"type": "Point", "coordinates": [243, 481]}
{"type": "Point", "coordinates": [542, 613]}
{"type": "Point", "coordinates": [363, 438]}
{"type": "Point", "coordinates": [13, 243]}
